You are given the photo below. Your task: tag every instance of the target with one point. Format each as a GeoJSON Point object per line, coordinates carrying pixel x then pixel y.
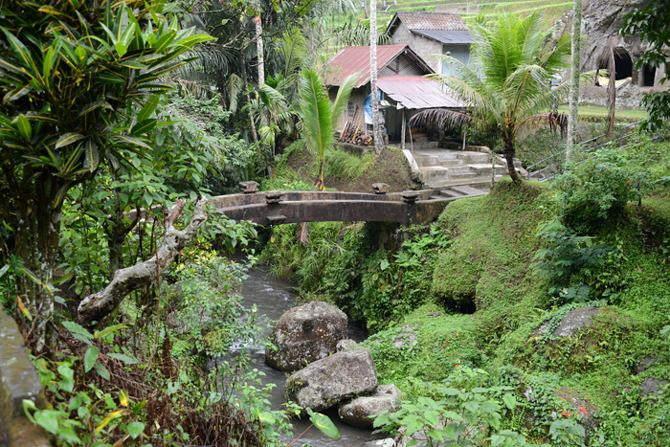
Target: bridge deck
{"type": "Point", "coordinates": [282, 207]}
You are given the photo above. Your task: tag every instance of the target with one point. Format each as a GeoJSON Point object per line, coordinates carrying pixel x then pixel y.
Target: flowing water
{"type": "Point", "coordinates": [272, 298]}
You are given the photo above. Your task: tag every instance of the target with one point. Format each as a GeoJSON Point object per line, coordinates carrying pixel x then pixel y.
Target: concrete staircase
{"type": "Point", "coordinates": [443, 167]}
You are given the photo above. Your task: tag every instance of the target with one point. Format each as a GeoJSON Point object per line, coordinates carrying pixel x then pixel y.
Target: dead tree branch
{"type": "Point", "coordinates": [96, 306]}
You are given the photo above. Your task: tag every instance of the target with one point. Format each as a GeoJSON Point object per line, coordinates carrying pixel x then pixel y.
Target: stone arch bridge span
{"type": "Point", "coordinates": [283, 207]}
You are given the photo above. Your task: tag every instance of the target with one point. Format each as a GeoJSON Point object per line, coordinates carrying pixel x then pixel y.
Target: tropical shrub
{"type": "Point", "coordinates": [565, 254]}
{"type": "Point", "coordinates": [598, 188]}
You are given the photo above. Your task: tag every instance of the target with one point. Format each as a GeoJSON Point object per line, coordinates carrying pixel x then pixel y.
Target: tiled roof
{"type": "Point", "coordinates": [415, 20]}
{"type": "Point", "coordinates": [352, 60]}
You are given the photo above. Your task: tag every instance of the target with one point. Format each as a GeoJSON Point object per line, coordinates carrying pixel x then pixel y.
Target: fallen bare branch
{"type": "Point", "coordinates": [96, 306]}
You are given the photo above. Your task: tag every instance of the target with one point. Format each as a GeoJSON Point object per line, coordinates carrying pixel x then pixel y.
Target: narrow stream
{"type": "Point", "coordinates": [273, 297]}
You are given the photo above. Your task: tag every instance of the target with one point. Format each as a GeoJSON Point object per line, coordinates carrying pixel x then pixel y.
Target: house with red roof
{"type": "Point", "coordinates": [403, 89]}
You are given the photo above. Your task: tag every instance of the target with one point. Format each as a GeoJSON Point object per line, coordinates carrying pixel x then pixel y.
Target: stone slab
{"type": "Point", "coordinates": [18, 381]}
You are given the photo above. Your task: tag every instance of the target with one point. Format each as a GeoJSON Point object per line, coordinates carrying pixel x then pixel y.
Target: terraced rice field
{"type": "Point", "coordinates": [552, 9]}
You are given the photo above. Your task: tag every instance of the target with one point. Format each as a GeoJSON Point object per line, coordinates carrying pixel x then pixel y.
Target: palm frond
{"type": "Point", "coordinates": [342, 98]}
{"type": "Point", "coordinates": [274, 101]}
{"type": "Point", "coordinates": [555, 120]}
{"type": "Point", "coordinates": [316, 112]}
{"type": "Point", "coordinates": [235, 88]}
{"type": "Point", "coordinates": [437, 118]}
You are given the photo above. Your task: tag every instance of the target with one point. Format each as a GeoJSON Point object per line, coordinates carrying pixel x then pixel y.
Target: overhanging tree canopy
{"type": "Point", "coordinates": [79, 80]}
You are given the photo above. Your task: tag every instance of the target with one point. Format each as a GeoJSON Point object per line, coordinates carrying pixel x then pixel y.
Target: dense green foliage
{"type": "Point", "coordinates": [465, 293]}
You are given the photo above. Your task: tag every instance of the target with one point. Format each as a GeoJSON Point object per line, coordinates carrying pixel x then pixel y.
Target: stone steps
{"type": "Point", "coordinates": [438, 167]}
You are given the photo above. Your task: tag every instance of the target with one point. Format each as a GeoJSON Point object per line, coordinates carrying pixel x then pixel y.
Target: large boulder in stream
{"type": "Point", "coordinates": [332, 380]}
{"type": "Point", "coordinates": [304, 334]}
{"type": "Point", "coordinates": [360, 411]}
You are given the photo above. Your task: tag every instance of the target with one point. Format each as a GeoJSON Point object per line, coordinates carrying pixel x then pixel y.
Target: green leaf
{"type": "Point", "coordinates": [104, 373]}
{"type": "Point", "coordinates": [135, 429]}
{"type": "Point", "coordinates": [143, 127]}
{"type": "Point", "coordinates": [90, 357]}
{"type": "Point", "coordinates": [123, 357]}
{"type": "Point", "coordinates": [109, 330]}
{"type": "Point", "coordinates": [324, 424]}
{"type": "Point", "coordinates": [149, 108]}
{"type": "Point", "coordinates": [121, 48]}
{"type": "Point", "coordinates": [95, 105]}
{"type": "Point", "coordinates": [21, 51]}
{"type": "Point", "coordinates": [92, 156]}
{"type": "Point", "coordinates": [9, 66]}
{"type": "Point", "coordinates": [74, 328]}
{"type": "Point", "coordinates": [66, 385]}
{"type": "Point", "coordinates": [510, 401]}
{"type": "Point", "coordinates": [130, 140]}
{"type": "Point", "coordinates": [68, 138]}
{"type": "Point", "coordinates": [23, 126]}
{"type": "Point", "coordinates": [384, 264]}
{"type": "Point", "coordinates": [48, 419]}
{"type": "Point", "coordinates": [164, 41]}
{"type": "Point", "coordinates": [266, 417]}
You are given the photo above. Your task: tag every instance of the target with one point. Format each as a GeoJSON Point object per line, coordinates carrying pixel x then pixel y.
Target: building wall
{"type": "Point", "coordinates": [401, 66]}
{"type": "Point", "coordinates": [460, 52]}
{"type": "Point", "coordinates": [428, 49]}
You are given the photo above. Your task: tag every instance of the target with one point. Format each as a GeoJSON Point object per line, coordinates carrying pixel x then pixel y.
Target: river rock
{"type": "Point", "coordinates": [347, 345]}
{"type": "Point", "coordinates": [388, 442]}
{"type": "Point", "coordinates": [571, 322]}
{"type": "Point", "coordinates": [651, 386]}
{"type": "Point", "coordinates": [304, 334]}
{"type": "Point", "coordinates": [358, 412]}
{"type": "Point", "coordinates": [332, 380]}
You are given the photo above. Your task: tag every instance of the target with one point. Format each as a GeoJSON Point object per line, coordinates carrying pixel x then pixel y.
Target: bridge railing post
{"type": "Point", "coordinates": [249, 187]}
{"type": "Point", "coordinates": [380, 188]}
{"type": "Point", "coordinates": [272, 197]}
{"type": "Point", "coordinates": [410, 198]}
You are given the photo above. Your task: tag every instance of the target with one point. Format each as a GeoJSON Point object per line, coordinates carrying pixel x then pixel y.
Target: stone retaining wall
{"type": "Point", "coordinates": [18, 381]}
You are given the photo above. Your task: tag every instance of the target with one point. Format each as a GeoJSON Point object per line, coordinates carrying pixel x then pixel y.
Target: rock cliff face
{"type": "Point", "coordinates": [601, 19]}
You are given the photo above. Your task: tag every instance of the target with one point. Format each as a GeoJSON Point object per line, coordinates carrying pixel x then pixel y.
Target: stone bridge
{"type": "Point", "coordinates": [283, 207]}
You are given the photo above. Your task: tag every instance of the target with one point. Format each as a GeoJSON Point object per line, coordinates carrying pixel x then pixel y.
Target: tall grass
{"type": "Point", "coordinates": [343, 165]}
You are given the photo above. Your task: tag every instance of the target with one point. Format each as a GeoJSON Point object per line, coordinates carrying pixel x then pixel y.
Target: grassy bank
{"type": "Point", "coordinates": [465, 300]}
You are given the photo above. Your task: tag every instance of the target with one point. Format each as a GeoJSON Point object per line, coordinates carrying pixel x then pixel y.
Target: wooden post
{"type": "Point", "coordinates": [402, 131]}
{"type": "Point", "coordinates": [411, 140]}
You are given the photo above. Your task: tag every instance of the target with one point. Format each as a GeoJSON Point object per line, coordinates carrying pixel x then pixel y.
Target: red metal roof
{"type": "Point", "coordinates": [352, 60]}
{"type": "Point", "coordinates": [416, 92]}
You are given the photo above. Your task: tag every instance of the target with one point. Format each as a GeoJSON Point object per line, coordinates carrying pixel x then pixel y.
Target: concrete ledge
{"type": "Point", "coordinates": [18, 381]}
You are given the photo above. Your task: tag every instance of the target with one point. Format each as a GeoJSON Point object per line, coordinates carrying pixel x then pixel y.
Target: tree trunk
{"type": "Point", "coordinates": [259, 47]}
{"type": "Point", "coordinates": [376, 128]}
{"type": "Point", "coordinates": [509, 158]}
{"type": "Point", "coordinates": [254, 134]}
{"type": "Point", "coordinates": [95, 307]}
{"type": "Point", "coordinates": [611, 88]}
{"type": "Point", "coordinates": [574, 78]}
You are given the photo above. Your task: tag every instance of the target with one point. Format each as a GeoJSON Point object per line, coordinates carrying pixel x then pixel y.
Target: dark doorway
{"type": "Point", "coordinates": [648, 76]}
{"type": "Point", "coordinates": [622, 62]}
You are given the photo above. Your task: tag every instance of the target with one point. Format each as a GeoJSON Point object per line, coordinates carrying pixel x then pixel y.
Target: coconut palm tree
{"type": "Point", "coordinates": [507, 83]}
{"type": "Point", "coordinates": [318, 116]}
